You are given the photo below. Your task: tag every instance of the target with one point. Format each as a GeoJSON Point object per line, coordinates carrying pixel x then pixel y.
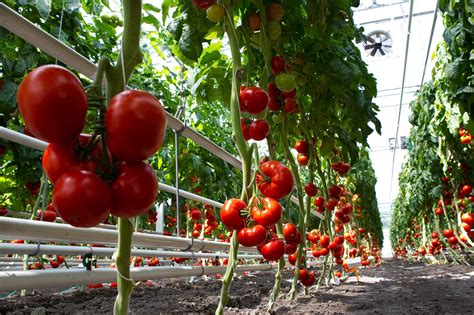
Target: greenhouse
{"type": "Point", "coordinates": [236, 156]}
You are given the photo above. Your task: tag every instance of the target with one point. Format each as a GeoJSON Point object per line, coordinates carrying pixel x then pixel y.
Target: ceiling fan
{"type": "Point", "coordinates": [379, 43]}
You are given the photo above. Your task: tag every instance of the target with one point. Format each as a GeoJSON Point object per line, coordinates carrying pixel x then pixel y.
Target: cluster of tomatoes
{"type": "Point", "coordinates": [253, 100]}
{"type": "Point", "coordinates": [464, 135]}
{"type": "Point", "coordinates": [302, 147]}
{"type": "Point", "coordinates": [93, 175]}
{"type": "Point", "coordinates": [283, 91]}
{"type": "Point", "coordinates": [255, 222]}
{"type": "Point", "coordinates": [274, 15]}
{"type": "Point", "coordinates": [341, 168]}
{"type": "Point", "coordinates": [48, 215]}
{"type": "Point", "coordinates": [210, 225]}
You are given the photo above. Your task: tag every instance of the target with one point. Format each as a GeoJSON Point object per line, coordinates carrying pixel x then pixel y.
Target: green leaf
{"type": "Point", "coordinates": [44, 8]}
{"type": "Point", "coordinates": [214, 32]}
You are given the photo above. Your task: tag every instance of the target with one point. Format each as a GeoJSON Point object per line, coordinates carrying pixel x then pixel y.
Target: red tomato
{"type": "Point", "coordinates": [310, 189]}
{"type": "Point", "coordinates": [254, 21]}
{"type": "Point", "coordinates": [136, 125]}
{"type": "Point", "coordinates": [289, 232]}
{"type": "Point", "coordinates": [135, 189]}
{"type": "Point", "coordinates": [448, 233]}
{"type": "Point", "coordinates": [54, 264]}
{"type": "Point", "coordinates": [59, 159]}
{"type": "Point", "coordinates": [195, 214]}
{"type": "Point", "coordinates": [278, 64]}
{"type": "Point", "coordinates": [230, 214]}
{"type": "Point", "coordinates": [290, 105]}
{"type": "Point", "coordinates": [302, 147]}
{"type": "Point", "coordinates": [452, 240]}
{"type": "Point", "coordinates": [95, 286]}
{"type": "Point", "coordinates": [324, 241]}
{"type": "Point", "coordinates": [204, 4]}
{"type": "Point", "coordinates": [292, 258]}
{"type": "Point", "coordinates": [49, 216]}
{"type": "Point", "coordinates": [254, 236]}
{"type": "Point", "coordinates": [303, 159]}
{"type": "Point", "coordinates": [254, 99]}
{"type": "Point", "coordinates": [290, 247]}
{"type": "Point", "coordinates": [259, 130]}
{"type": "Point", "coordinates": [278, 180]}
{"type": "Point", "coordinates": [273, 249]}
{"type": "Point", "coordinates": [60, 259]}
{"type": "Point", "coordinates": [53, 104]}
{"type": "Point", "coordinates": [291, 94]}
{"type": "Point", "coordinates": [335, 191]}
{"type": "Point", "coordinates": [266, 211]}
{"type": "Point", "coordinates": [466, 190]}
{"type": "Point", "coordinates": [468, 218]}
{"type": "Point", "coordinates": [310, 280]}
{"type": "Point", "coordinates": [244, 123]}
{"type": "Point", "coordinates": [274, 105]}
{"type": "Point", "coordinates": [319, 201]}
{"type": "Point", "coordinates": [82, 199]}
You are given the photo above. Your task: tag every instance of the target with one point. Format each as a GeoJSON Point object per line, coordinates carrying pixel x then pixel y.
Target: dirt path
{"type": "Point", "coordinates": [393, 288]}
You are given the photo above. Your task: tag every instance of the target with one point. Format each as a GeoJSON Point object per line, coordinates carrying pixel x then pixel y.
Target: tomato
{"type": "Point", "coordinates": [266, 211]}
{"type": "Point", "coordinates": [95, 286]}
{"type": "Point", "coordinates": [339, 240]}
{"type": "Point", "coordinates": [273, 91]}
{"type": "Point", "coordinates": [467, 218]}
{"type": "Point", "coordinates": [310, 280]}
{"type": "Point", "coordinates": [3, 211]}
{"type": "Point", "coordinates": [254, 99]}
{"type": "Point", "coordinates": [302, 147]}
{"type": "Point", "coordinates": [195, 214]}
{"type": "Point", "coordinates": [273, 30]}
{"type": "Point", "coordinates": [278, 180]}
{"type": "Point", "coordinates": [245, 129]}
{"type": "Point", "coordinates": [136, 125]}
{"type": "Point", "coordinates": [466, 226]}
{"type": "Point", "coordinates": [439, 211]}
{"type": "Point", "coordinates": [273, 249]}
{"type": "Point", "coordinates": [53, 104]}
{"type": "Point", "coordinates": [448, 233]}
{"type": "Point", "coordinates": [60, 259]}
{"type": "Point", "coordinates": [259, 130]}
{"type": "Point", "coordinates": [452, 240]}
{"type": "Point", "coordinates": [285, 82]}
{"type": "Point", "coordinates": [254, 21]}
{"type": "Point", "coordinates": [289, 105]}
{"type": "Point", "coordinates": [290, 247]}
{"type": "Point", "coordinates": [2, 150]}
{"type": "Point", "coordinates": [215, 13]}
{"type": "Point", "coordinates": [319, 201]}
{"type": "Point", "coordinates": [82, 199]}
{"type": "Point", "coordinates": [274, 105]}
{"type": "Point", "coordinates": [324, 241]}
{"type": "Point", "coordinates": [230, 214]}
{"type": "Point", "coordinates": [289, 232]}
{"type": "Point", "coordinates": [466, 190]}
{"type": "Point", "coordinates": [361, 230]}
{"type": "Point", "coordinates": [48, 216]}
{"type": "Point", "coordinates": [310, 189]}
{"type": "Point", "coordinates": [335, 191]}
{"type": "Point", "coordinates": [278, 64]}
{"type": "Point", "coordinates": [253, 236]}
{"type": "Point", "coordinates": [134, 191]}
{"type": "Point", "coordinates": [274, 12]}
{"type": "Point", "coordinates": [54, 264]}
{"type": "Point", "coordinates": [303, 159]}
{"type": "Point", "coordinates": [292, 258]}
{"type": "Point", "coordinates": [204, 4]}
{"type": "Point", "coordinates": [58, 159]}
{"type": "Point", "coordinates": [291, 94]}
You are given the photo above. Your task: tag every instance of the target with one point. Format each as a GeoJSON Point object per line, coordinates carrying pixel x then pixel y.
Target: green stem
{"type": "Point", "coordinates": [122, 261]}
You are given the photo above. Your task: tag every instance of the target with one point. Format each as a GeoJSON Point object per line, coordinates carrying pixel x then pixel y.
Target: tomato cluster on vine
{"type": "Point", "coordinates": [99, 174]}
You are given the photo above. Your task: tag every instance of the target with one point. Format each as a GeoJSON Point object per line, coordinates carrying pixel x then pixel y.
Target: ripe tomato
{"type": "Point", "coordinates": [274, 105]}
{"type": "Point", "coordinates": [290, 247]}
{"type": "Point", "coordinates": [53, 104]}
{"type": "Point", "coordinates": [310, 189]}
{"type": "Point", "coordinates": [292, 258]}
{"type": "Point", "coordinates": [291, 94]}
{"type": "Point", "coordinates": [244, 123]}
{"type": "Point", "coordinates": [135, 189]}
{"type": "Point", "coordinates": [448, 233]}
{"type": "Point", "coordinates": [289, 105]}
{"type": "Point", "coordinates": [58, 159]}
{"type": "Point", "coordinates": [310, 280]}
{"type": "Point", "coordinates": [324, 241]}
{"type": "Point", "coordinates": [273, 249]}
{"type": "Point", "coordinates": [215, 13]}
{"type": "Point", "coordinates": [289, 232]}
{"type": "Point", "coordinates": [254, 21]}
{"type": "Point", "coordinates": [302, 147]}
{"type": "Point", "coordinates": [204, 4]}
{"type": "Point", "coordinates": [278, 180]}
{"type": "Point", "coordinates": [452, 240]}
{"type": "Point", "coordinates": [466, 190]}
{"type": "Point", "coordinates": [319, 202]}
{"type": "Point", "coordinates": [54, 264]}
{"type": "Point", "coordinates": [266, 211]}
{"type": "Point", "coordinates": [195, 214]}
{"type": "Point", "coordinates": [48, 216]}
{"type": "Point", "coordinates": [82, 199]}
{"type": "Point", "coordinates": [253, 236]}
{"type": "Point", "coordinates": [136, 125]}
{"type": "Point", "coordinates": [278, 64]}
{"type": "Point", "coordinates": [230, 214]}
{"type": "Point", "coordinates": [254, 99]}
{"type": "Point", "coordinates": [468, 218]}
{"type": "Point", "coordinates": [303, 159]}
{"type": "Point", "coordinates": [259, 130]}
{"type": "Point", "coordinates": [274, 12]}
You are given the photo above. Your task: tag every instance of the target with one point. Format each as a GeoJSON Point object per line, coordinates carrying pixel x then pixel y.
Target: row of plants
{"type": "Point", "coordinates": [293, 101]}
{"type": "Point", "coordinates": [433, 213]}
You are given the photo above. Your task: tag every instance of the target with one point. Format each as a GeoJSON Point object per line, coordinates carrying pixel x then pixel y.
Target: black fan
{"type": "Point", "coordinates": [379, 42]}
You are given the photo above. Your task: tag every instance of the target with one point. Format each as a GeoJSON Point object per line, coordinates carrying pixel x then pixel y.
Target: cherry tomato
{"type": "Point", "coordinates": [285, 82]}
{"type": "Point", "coordinates": [259, 130]}
{"type": "Point", "coordinates": [254, 99]}
{"type": "Point", "coordinates": [274, 12]}
{"type": "Point", "coordinates": [215, 13]}
{"type": "Point", "coordinates": [290, 105]}
{"type": "Point", "coordinates": [278, 64]}
{"type": "Point", "coordinates": [54, 264]}
{"type": "Point", "coordinates": [253, 236]}
{"type": "Point", "coordinates": [303, 159]}
{"type": "Point", "coordinates": [310, 280]}
{"type": "Point", "coordinates": [289, 232]}
{"type": "Point", "coordinates": [230, 214]}
{"type": "Point", "coordinates": [82, 199]}
{"type": "Point", "coordinates": [466, 190]}
{"type": "Point", "coordinates": [292, 258]}
{"type": "Point", "coordinates": [204, 4]}
{"type": "Point", "coordinates": [266, 211]}
{"type": "Point", "coordinates": [303, 274]}
{"type": "Point", "coordinates": [278, 180]}
{"type": "Point", "coordinates": [53, 104]}
{"type": "Point", "coordinates": [136, 125]}
{"type": "Point", "coordinates": [134, 191]}
{"type": "Point", "coordinates": [310, 189]}
{"type": "Point", "coordinates": [273, 249]}
{"type": "Point", "coordinates": [468, 218]}
{"type": "Point", "coordinates": [274, 105]}
{"type": "Point", "coordinates": [302, 147]}
{"type": "Point", "coordinates": [319, 201]}
{"type": "Point", "coordinates": [254, 21]}
{"type": "Point", "coordinates": [291, 94]}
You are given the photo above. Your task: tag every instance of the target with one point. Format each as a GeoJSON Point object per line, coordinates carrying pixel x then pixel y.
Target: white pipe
{"type": "Point", "coordinates": [35, 279]}
{"type": "Point", "coordinates": [33, 249]}
{"type": "Point", "coordinates": [11, 228]}
{"type": "Point", "coordinates": [188, 195]}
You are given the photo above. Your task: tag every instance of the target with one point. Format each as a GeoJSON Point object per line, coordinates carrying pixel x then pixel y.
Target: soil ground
{"type": "Point", "coordinates": [393, 288]}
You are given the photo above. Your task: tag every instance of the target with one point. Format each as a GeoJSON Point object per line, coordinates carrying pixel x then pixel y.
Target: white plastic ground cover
{"type": "Point", "coordinates": [37, 279]}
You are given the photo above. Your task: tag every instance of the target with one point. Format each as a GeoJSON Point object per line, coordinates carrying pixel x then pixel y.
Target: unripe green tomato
{"type": "Point", "coordinates": [215, 13]}
{"type": "Point", "coordinates": [255, 40]}
{"type": "Point", "coordinates": [273, 30]}
{"type": "Point", "coordinates": [285, 82]}
{"type": "Point", "coordinates": [278, 118]}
